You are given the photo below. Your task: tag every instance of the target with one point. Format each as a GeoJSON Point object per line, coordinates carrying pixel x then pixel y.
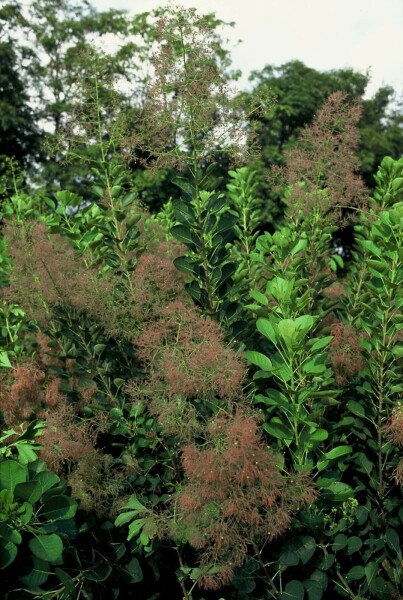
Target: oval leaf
{"type": "Point", "coordinates": [30, 491]}
{"type": "Point", "coordinates": [11, 473]}
{"type": "Point", "coordinates": [8, 552]}
{"type": "Point", "coordinates": [182, 234]}
{"type": "Point", "coordinates": [337, 452]}
{"type": "Point", "coordinates": [47, 547]}
{"type": "Point", "coordinates": [59, 508]}
{"type": "Point", "coordinates": [356, 408]}
{"type": "Point", "coordinates": [294, 590]}
{"type": "Point", "coordinates": [259, 359]}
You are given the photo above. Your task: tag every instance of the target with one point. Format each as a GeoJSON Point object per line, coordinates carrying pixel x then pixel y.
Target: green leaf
{"type": "Point", "coordinates": [318, 436]}
{"type": "Point", "coordinates": [4, 360]}
{"type": "Point", "coordinates": [50, 203]}
{"type": "Point", "coordinates": [47, 547]}
{"type": "Point", "coordinates": [307, 550]}
{"type": "Point", "coordinates": [321, 343]}
{"type": "Point", "coordinates": [134, 528]}
{"type": "Point", "coordinates": [354, 543]}
{"type": "Point", "coordinates": [67, 581]}
{"type": "Point", "coordinates": [118, 381]}
{"type": "Point", "coordinates": [299, 247]}
{"type": "Point", "coordinates": [397, 183]}
{"type": "Point", "coordinates": [393, 541]}
{"type": "Point", "coordinates": [97, 190]}
{"type": "Point", "coordinates": [185, 186]}
{"type": "Point", "coordinates": [67, 198]}
{"type": "Point", "coordinates": [195, 291]}
{"type": "Point", "coordinates": [8, 553]}
{"type": "Point", "coordinates": [183, 212]}
{"type": "Point", "coordinates": [134, 504]}
{"type": "Point", "coordinates": [304, 323]}
{"type": "Point", "coordinates": [322, 464]}
{"type": "Point", "coordinates": [371, 571]}
{"type": "Point", "coordinates": [398, 351]}
{"type": "Point", "coordinates": [337, 452]}
{"type": "Point", "coordinates": [144, 539]}
{"type": "Point", "coordinates": [314, 589]}
{"type": "Point", "coordinates": [46, 480]}
{"type": "Point", "coordinates": [340, 491]}
{"type": "Point", "coordinates": [274, 398]}
{"type": "Point", "coordinates": [99, 348]}
{"type": "Point", "coordinates": [226, 222]}
{"type": "Point", "coordinates": [30, 491]}
{"type": "Point", "coordinates": [381, 588]}
{"type": "Point", "coordinates": [25, 512]}
{"type": "Point", "coordinates": [365, 344]}
{"type": "Point", "coordinates": [364, 462]}
{"type": "Point", "coordinates": [58, 508]}
{"type": "Point", "coordinates": [278, 430]}
{"type": "Point", "coordinates": [126, 517]}
{"type": "Point", "coordinates": [256, 308]}
{"type": "Point", "coordinates": [287, 329]}
{"type": "Point", "coordinates": [280, 369]}
{"type": "Point", "coordinates": [115, 191]}
{"type": "Point", "coordinates": [100, 573]}
{"type": "Point", "coordinates": [314, 366]}
{"type": "Point", "coordinates": [357, 572]}
{"type": "Point", "coordinates": [227, 271]}
{"type": "Point", "coordinates": [294, 590]}
{"type": "Point", "coordinates": [7, 534]}
{"type": "Point", "coordinates": [210, 223]}
{"type": "Point", "coordinates": [26, 454]}
{"type": "Point", "coordinates": [371, 247]}
{"type": "Point", "coordinates": [379, 266]}
{"type": "Point", "coordinates": [182, 234]}
{"type": "Point", "coordinates": [259, 359]}
{"type": "Point", "coordinates": [129, 199]}
{"type": "Point", "coordinates": [340, 542]}
{"type": "Point", "coordinates": [215, 204]}
{"type": "Point", "coordinates": [356, 408]}
{"type": "Point", "coordinates": [266, 328]}
{"type": "Point", "coordinates": [38, 574]}
{"type": "Point", "coordinates": [11, 473]}
{"type": "Point", "coordinates": [259, 297]}
{"type": "Point", "coordinates": [133, 569]}
{"type": "Point", "coordinates": [186, 265]}
{"type": "Point", "coordinates": [289, 555]}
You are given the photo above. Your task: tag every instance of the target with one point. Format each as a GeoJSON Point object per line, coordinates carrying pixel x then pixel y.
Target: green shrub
{"type": "Point", "coordinates": [189, 405]}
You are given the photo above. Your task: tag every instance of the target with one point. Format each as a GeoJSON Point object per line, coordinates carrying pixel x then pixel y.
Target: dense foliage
{"type": "Point", "coordinates": [189, 408]}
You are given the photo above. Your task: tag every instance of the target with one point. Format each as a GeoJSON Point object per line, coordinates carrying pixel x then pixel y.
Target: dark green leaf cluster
{"type": "Point", "coordinates": [206, 226]}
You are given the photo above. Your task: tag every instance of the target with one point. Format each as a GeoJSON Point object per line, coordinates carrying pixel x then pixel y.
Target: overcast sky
{"type": "Point", "coordinates": [324, 34]}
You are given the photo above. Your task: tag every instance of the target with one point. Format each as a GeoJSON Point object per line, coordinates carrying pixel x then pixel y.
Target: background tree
{"type": "Point", "coordinates": [186, 105]}
{"type": "Point", "coordinates": [381, 129]}
{"type": "Point", "coordinates": [298, 92]}
{"type": "Point", "coordinates": [50, 41]}
{"type": "Point", "coordinates": [19, 135]}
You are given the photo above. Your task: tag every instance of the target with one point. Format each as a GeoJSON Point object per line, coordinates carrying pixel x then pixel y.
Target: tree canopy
{"type": "Point", "coordinates": [297, 92]}
{"type": "Point", "coordinates": [19, 134]}
{"type": "Point", "coordinates": [48, 49]}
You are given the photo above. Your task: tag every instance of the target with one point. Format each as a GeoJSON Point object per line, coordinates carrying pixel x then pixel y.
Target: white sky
{"type": "Point", "coordinates": [324, 34]}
